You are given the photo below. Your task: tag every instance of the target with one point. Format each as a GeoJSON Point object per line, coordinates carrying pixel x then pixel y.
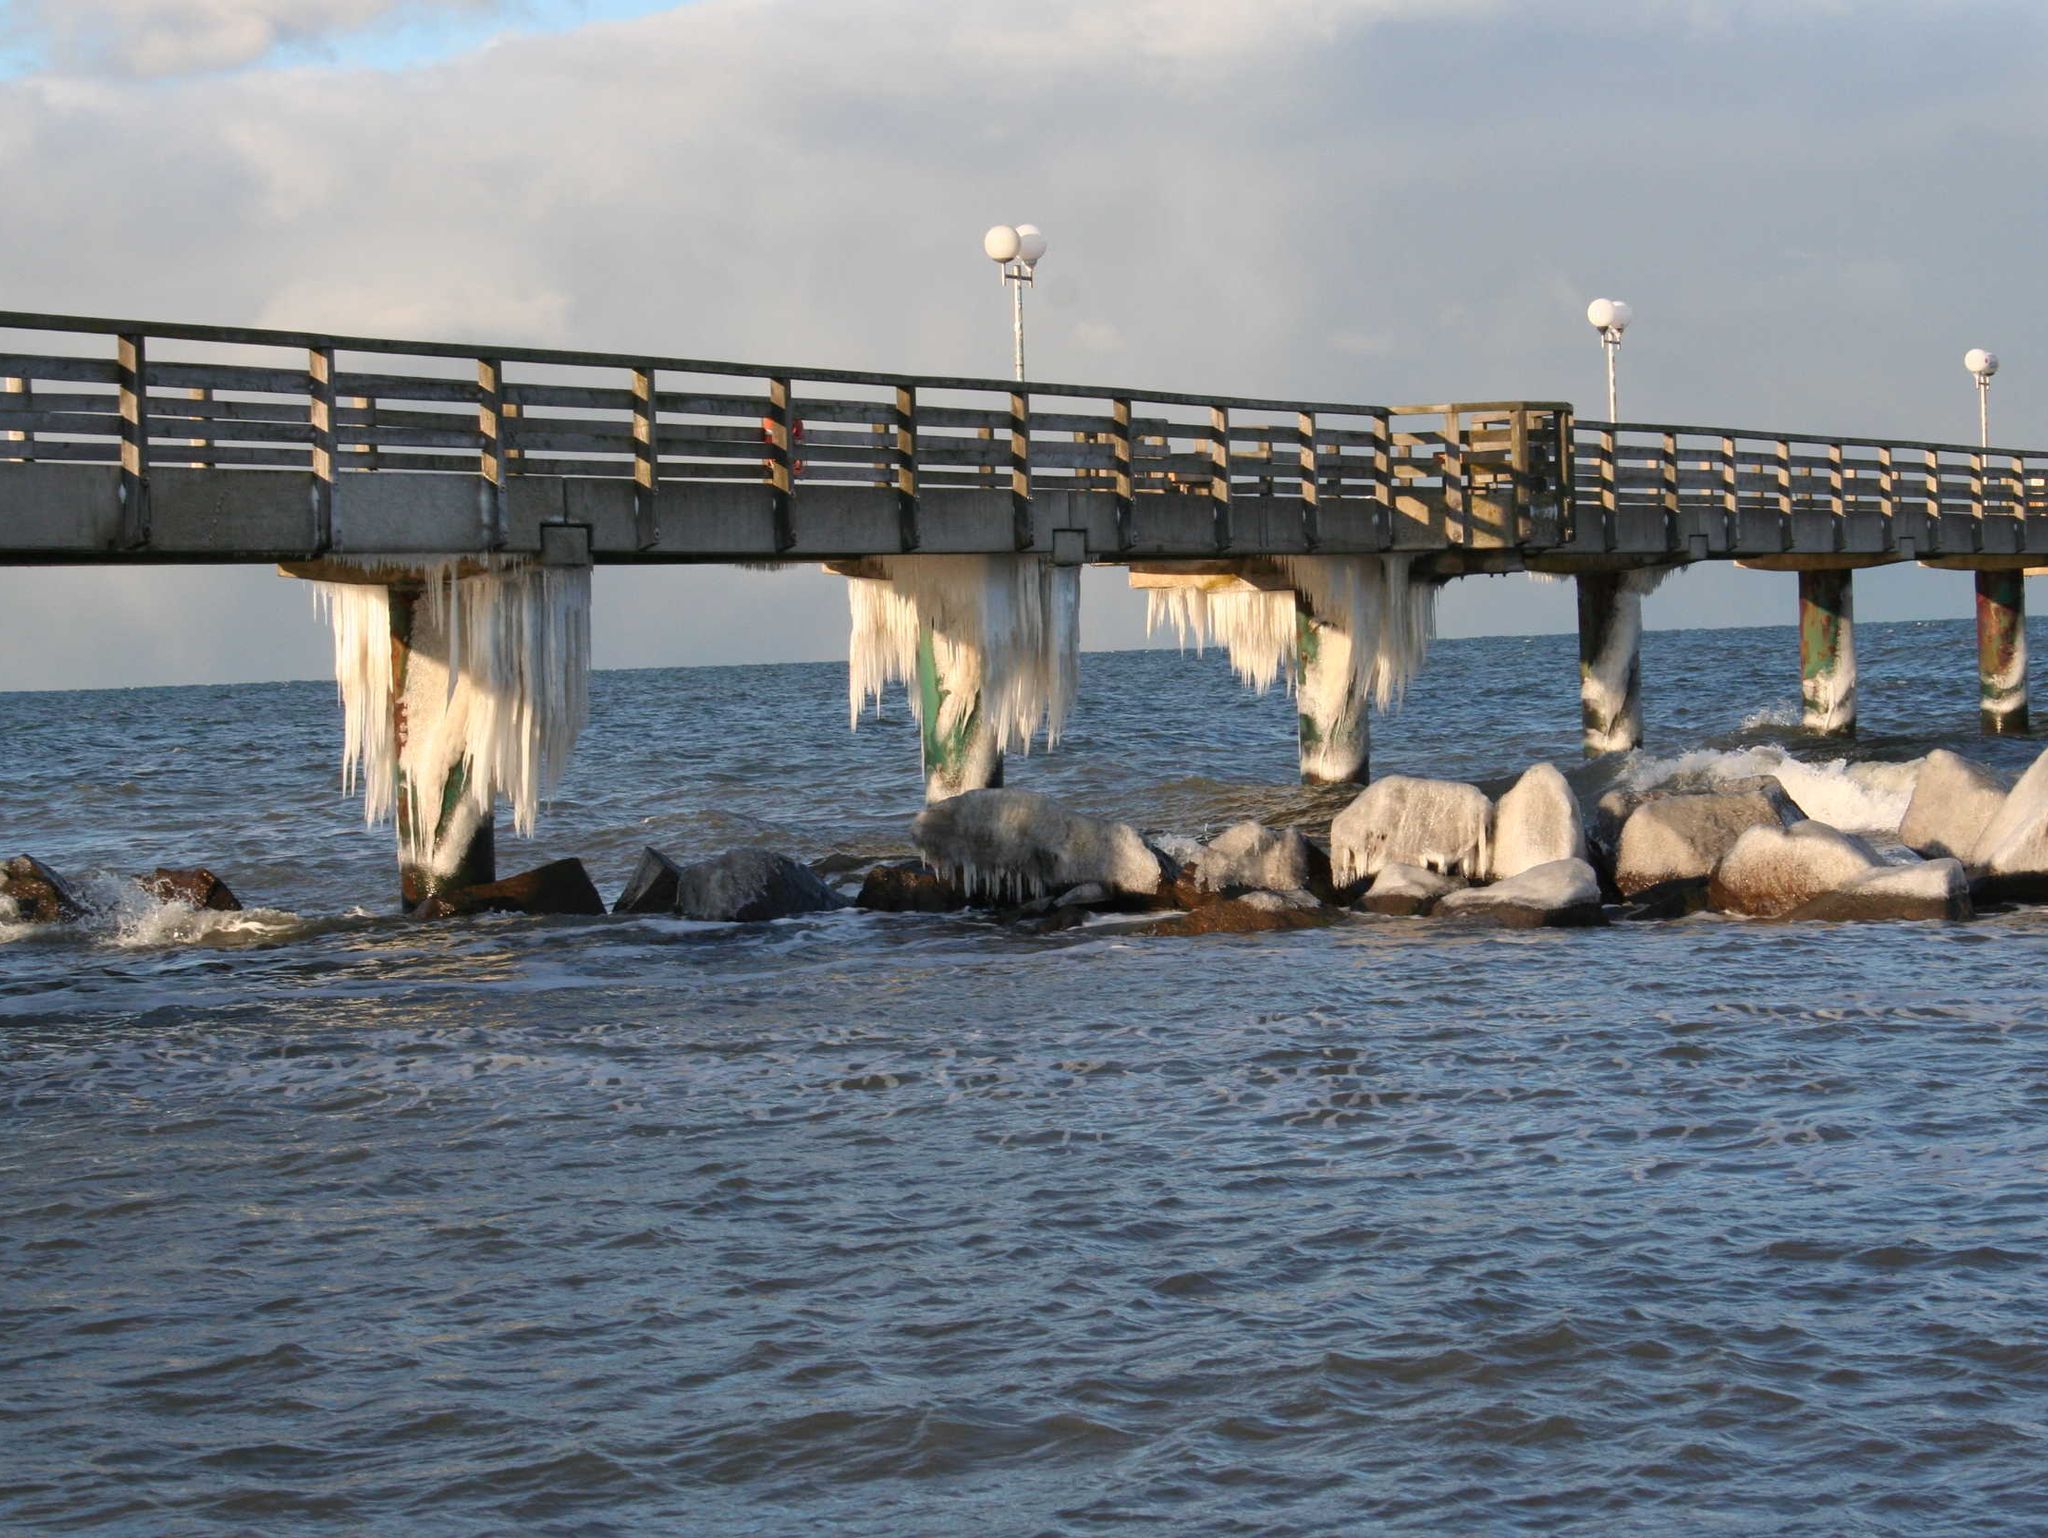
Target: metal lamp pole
{"type": "Point", "coordinates": [1610, 317]}
{"type": "Point", "coordinates": [1015, 249]}
{"type": "Point", "coordinates": [1983, 365]}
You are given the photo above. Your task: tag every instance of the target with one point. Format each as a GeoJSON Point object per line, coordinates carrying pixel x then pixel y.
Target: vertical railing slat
{"type": "Point", "coordinates": [1219, 473]}
{"type": "Point", "coordinates": [1311, 491]}
{"type": "Point", "coordinates": [1021, 533]}
{"type": "Point", "coordinates": [646, 459]}
{"type": "Point", "coordinates": [132, 370]}
{"type": "Point", "coordinates": [908, 536]}
{"type": "Point", "coordinates": [490, 426]}
{"type": "Point", "coordinates": [1120, 444]}
{"type": "Point", "coordinates": [320, 413]}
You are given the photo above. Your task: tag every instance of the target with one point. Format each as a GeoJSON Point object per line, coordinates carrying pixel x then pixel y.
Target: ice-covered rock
{"type": "Point", "coordinates": [1252, 857]}
{"type": "Point", "coordinates": [197, 887]}
{"type": "Point", "coordinates": [1016, 844]}
{"type": "Point", "coordinates": [1954, 800]}
{"type": "Point", "coordinates": [749, 885]}
{"type": "Point", "coordinates": [1685, 835]}
{"type": "Point", "coordinates": [1441, 825]}
{"type": "Point", "coordinates": [38, 894]}
{"type": "Point", "coordinates": [2012, 851]}
{"type": "Point", "coordinates": [1536, 821]}
{"type": "Point", "coordinates": [1772, 870]}
{"type": "Point", "coordinates": [1559, 894]}
{"type": "Point", "coordinates": [561, 886]}
{"type": "Point", "coordinates": [1407, 891]}
{"type": "Point", "coordinates": [1925, 889]}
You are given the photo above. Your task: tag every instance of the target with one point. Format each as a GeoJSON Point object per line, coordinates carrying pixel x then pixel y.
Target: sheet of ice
{"type": "Point", "coordinates": [1005, 633]}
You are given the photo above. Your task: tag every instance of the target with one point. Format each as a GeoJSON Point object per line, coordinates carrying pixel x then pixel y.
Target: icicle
{"type": "Point", "coordinates": [1005, 633]}
{"type": "Point", "coordinates": [497, 685]}
{"type": "Point", "coordinates": [1389, 617]}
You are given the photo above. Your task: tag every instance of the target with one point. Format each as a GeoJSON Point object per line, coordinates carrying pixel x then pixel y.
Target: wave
{"type": "Point", "coordinates": [1855, 797]}
{"type": "Point", "coordinates": [120, 915]}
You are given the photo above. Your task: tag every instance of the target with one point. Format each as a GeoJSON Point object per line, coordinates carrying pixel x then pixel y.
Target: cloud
{"type": "Point", "coordinates": [154, 38]}
{"type": "Point", "coordinates": [1372, 200]}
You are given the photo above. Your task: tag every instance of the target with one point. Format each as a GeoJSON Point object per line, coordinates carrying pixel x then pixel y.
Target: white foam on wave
{"type": "Point", "coordinates": [1855, 797]}
{"type": "Point", "coordinates": [120, 915]}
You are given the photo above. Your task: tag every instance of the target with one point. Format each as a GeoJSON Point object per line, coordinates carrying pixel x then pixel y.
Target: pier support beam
{"type": "Point", "coordinates": [1610, 661]}
{"type": "Point", "coordinates": [2002, 650]}
{"type": "Point", "coordinates": [1827, 651]}
{"type": "Point", "coordinates": [960, 751]}
{"type": "Point", "coordinates": [1334, 724]}
{"type": "Point", "coordinates": [462, 849]}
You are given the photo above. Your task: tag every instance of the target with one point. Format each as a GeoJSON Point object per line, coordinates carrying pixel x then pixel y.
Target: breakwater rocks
{"type": "Point", "coordinates": [1536, 856]}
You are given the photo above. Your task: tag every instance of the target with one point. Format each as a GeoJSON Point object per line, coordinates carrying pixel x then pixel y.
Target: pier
{"type": "Point", "coordinates": [366, 460]}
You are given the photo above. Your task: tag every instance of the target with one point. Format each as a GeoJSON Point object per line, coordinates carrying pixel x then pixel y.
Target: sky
{"type": "Point", "coordinates": [1815, 207]}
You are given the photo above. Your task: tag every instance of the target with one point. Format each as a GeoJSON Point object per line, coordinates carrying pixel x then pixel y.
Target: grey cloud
{"type": "Point", "coordinates": [1815, 209]}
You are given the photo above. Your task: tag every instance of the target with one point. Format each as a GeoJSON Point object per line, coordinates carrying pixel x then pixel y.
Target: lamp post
{"type": "Point", "coordinates": [1015, 249]}
{"type": "Point", "coordinates": [1610, 317]}
{"type": "Point", "coordinates": [1982, 364]}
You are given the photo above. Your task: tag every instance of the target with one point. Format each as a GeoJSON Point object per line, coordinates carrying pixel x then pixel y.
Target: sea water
{"type": "Point", "coordinates": [317, 1220]}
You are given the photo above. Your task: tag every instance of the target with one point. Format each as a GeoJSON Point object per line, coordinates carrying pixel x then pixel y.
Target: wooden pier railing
{"type": "Point", "coordinates": [677, 458]}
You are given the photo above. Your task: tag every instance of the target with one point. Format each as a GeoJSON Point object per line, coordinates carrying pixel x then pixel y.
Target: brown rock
{"type": "Point", "coordinates": [198, 887]}
{"type": "Point", "coordinates": [909, 887]}
{"type": "Point", "coordinates": [1242, 916]}
{"type": "Point", "coordinates": [39, 894]}
{"type": "Point", "coordinates": [562, 886]}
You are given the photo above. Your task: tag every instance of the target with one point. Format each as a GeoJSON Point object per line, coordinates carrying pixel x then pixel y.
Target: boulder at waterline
{"type": "Point", "coordinates": [1535, 822]}
{"type": "Point", "coordinates": [1771, 870]}
{"type": "Point", "coordinates": [1015, 844]}
{"type": "Point", "coordinates": [1667, 900]}
{"type": "Point", "coordinates": [1251, 857]}
{"type": "Point", "coordinates": [1560, 894]}
{"type": "Point", "coordinates": [1441, 825]}
{"type": "Point", "coordinates": [1926, 889]}
{"type": "Point", "coordinates": [559, 887]}
{"type": "Point", "coordinates": [909, 886]}
{"type": "Point", "coordinates": [2012, 851]}
{"type": "Point", "coordinates": [1252, 913]}
{"type": "Point", "coordinates": [1407, 891]}
{"type": "Point", "coordinates": [197, 887]}
{"type": "Point", "coordinates": [652, 886]}
{"type": "Point", "coordinates": [1688, 833]}
{"type": "Point", "coordinates": [1954, 801]}
{"type": "Point", "coordinates": [750, 885]}
{"type": "Point", "coordinates": [38, 894]}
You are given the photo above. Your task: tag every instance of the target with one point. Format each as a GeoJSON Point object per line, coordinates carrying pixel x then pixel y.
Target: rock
{"type": "Point", "coordinates": [1668, 900]}
{"type": "Point", "coordinates": [1926, 889]}
{"type": "Point", "coordinates": [1013, 844]}
{"type": "Point", "coordinates": [1407, 891]}
{"type": "Point", "coordinates": [1773, 870]}
{"type": "Point", "coordinates": [1954, 801]}
{"type": "Point", "coordinates": [1091, 895]}
{"type": "Point", "coordinates": [1560, 894]}
{"type": "Point", "coordinates": [909, 886]}
{"type": "Point", "coordinates": [652, 886]}
{"type": "Point", "coordinates": [197, 888]}
{"type": "Point", "coordinates": [1291, 900]}
{"type": "Point", "coordinates": [39, 894]}
{"type": "Point", "coordinates": [1254, 913]}
{"type": "Point", "coordinates": [1250, 857]}
{"type": "Point", "coordinates": [561, 886]}
{"type": "Point", "coordinates": [1441, 825]}
{"type": "Point", "coordinates": [1688, 833]}
{"type": "Point", "coordinates": [749, 885]}
{"type": "Point", "coordinates": [2012, 851]}
{"type": "Point", "coordinates": [1535, 823]}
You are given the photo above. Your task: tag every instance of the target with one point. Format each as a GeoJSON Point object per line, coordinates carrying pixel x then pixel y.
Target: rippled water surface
{"type": "Point", "coordinates": [319, 1221]}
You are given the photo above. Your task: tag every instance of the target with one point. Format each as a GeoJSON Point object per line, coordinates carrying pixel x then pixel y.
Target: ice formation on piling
{"type": "Point", "coordinates": [1005, 636]}
{"type": "Point", "coordinates": [1388, 615]}
{"type": "Point", "coordinates": [1610, 686]}
{"type": "Point", "coordinates": [496, 682]}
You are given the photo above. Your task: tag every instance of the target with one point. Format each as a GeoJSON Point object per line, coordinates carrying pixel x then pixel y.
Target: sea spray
{"type": "Point", "coordinates": [1005, 636]}
{"type": "Point", "coordinates": [497, 685]}
{"type": "Point", "coordinates": [1866, 798]}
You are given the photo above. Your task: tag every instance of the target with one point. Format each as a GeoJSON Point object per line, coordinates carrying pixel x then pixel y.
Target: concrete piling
{"type": "Point", "coordinates": [1335, 729]}
{"type": "Point", "coordinates": [1610, 662]}
{"type": "Point", "coordinates": [461, 851]}
{"type": "Point", "coordinates": [1827, 651]}
{"type": "Point", "coordinates": [2002, 650]}
{"type": "Point", "coordinates": [960, 751]}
